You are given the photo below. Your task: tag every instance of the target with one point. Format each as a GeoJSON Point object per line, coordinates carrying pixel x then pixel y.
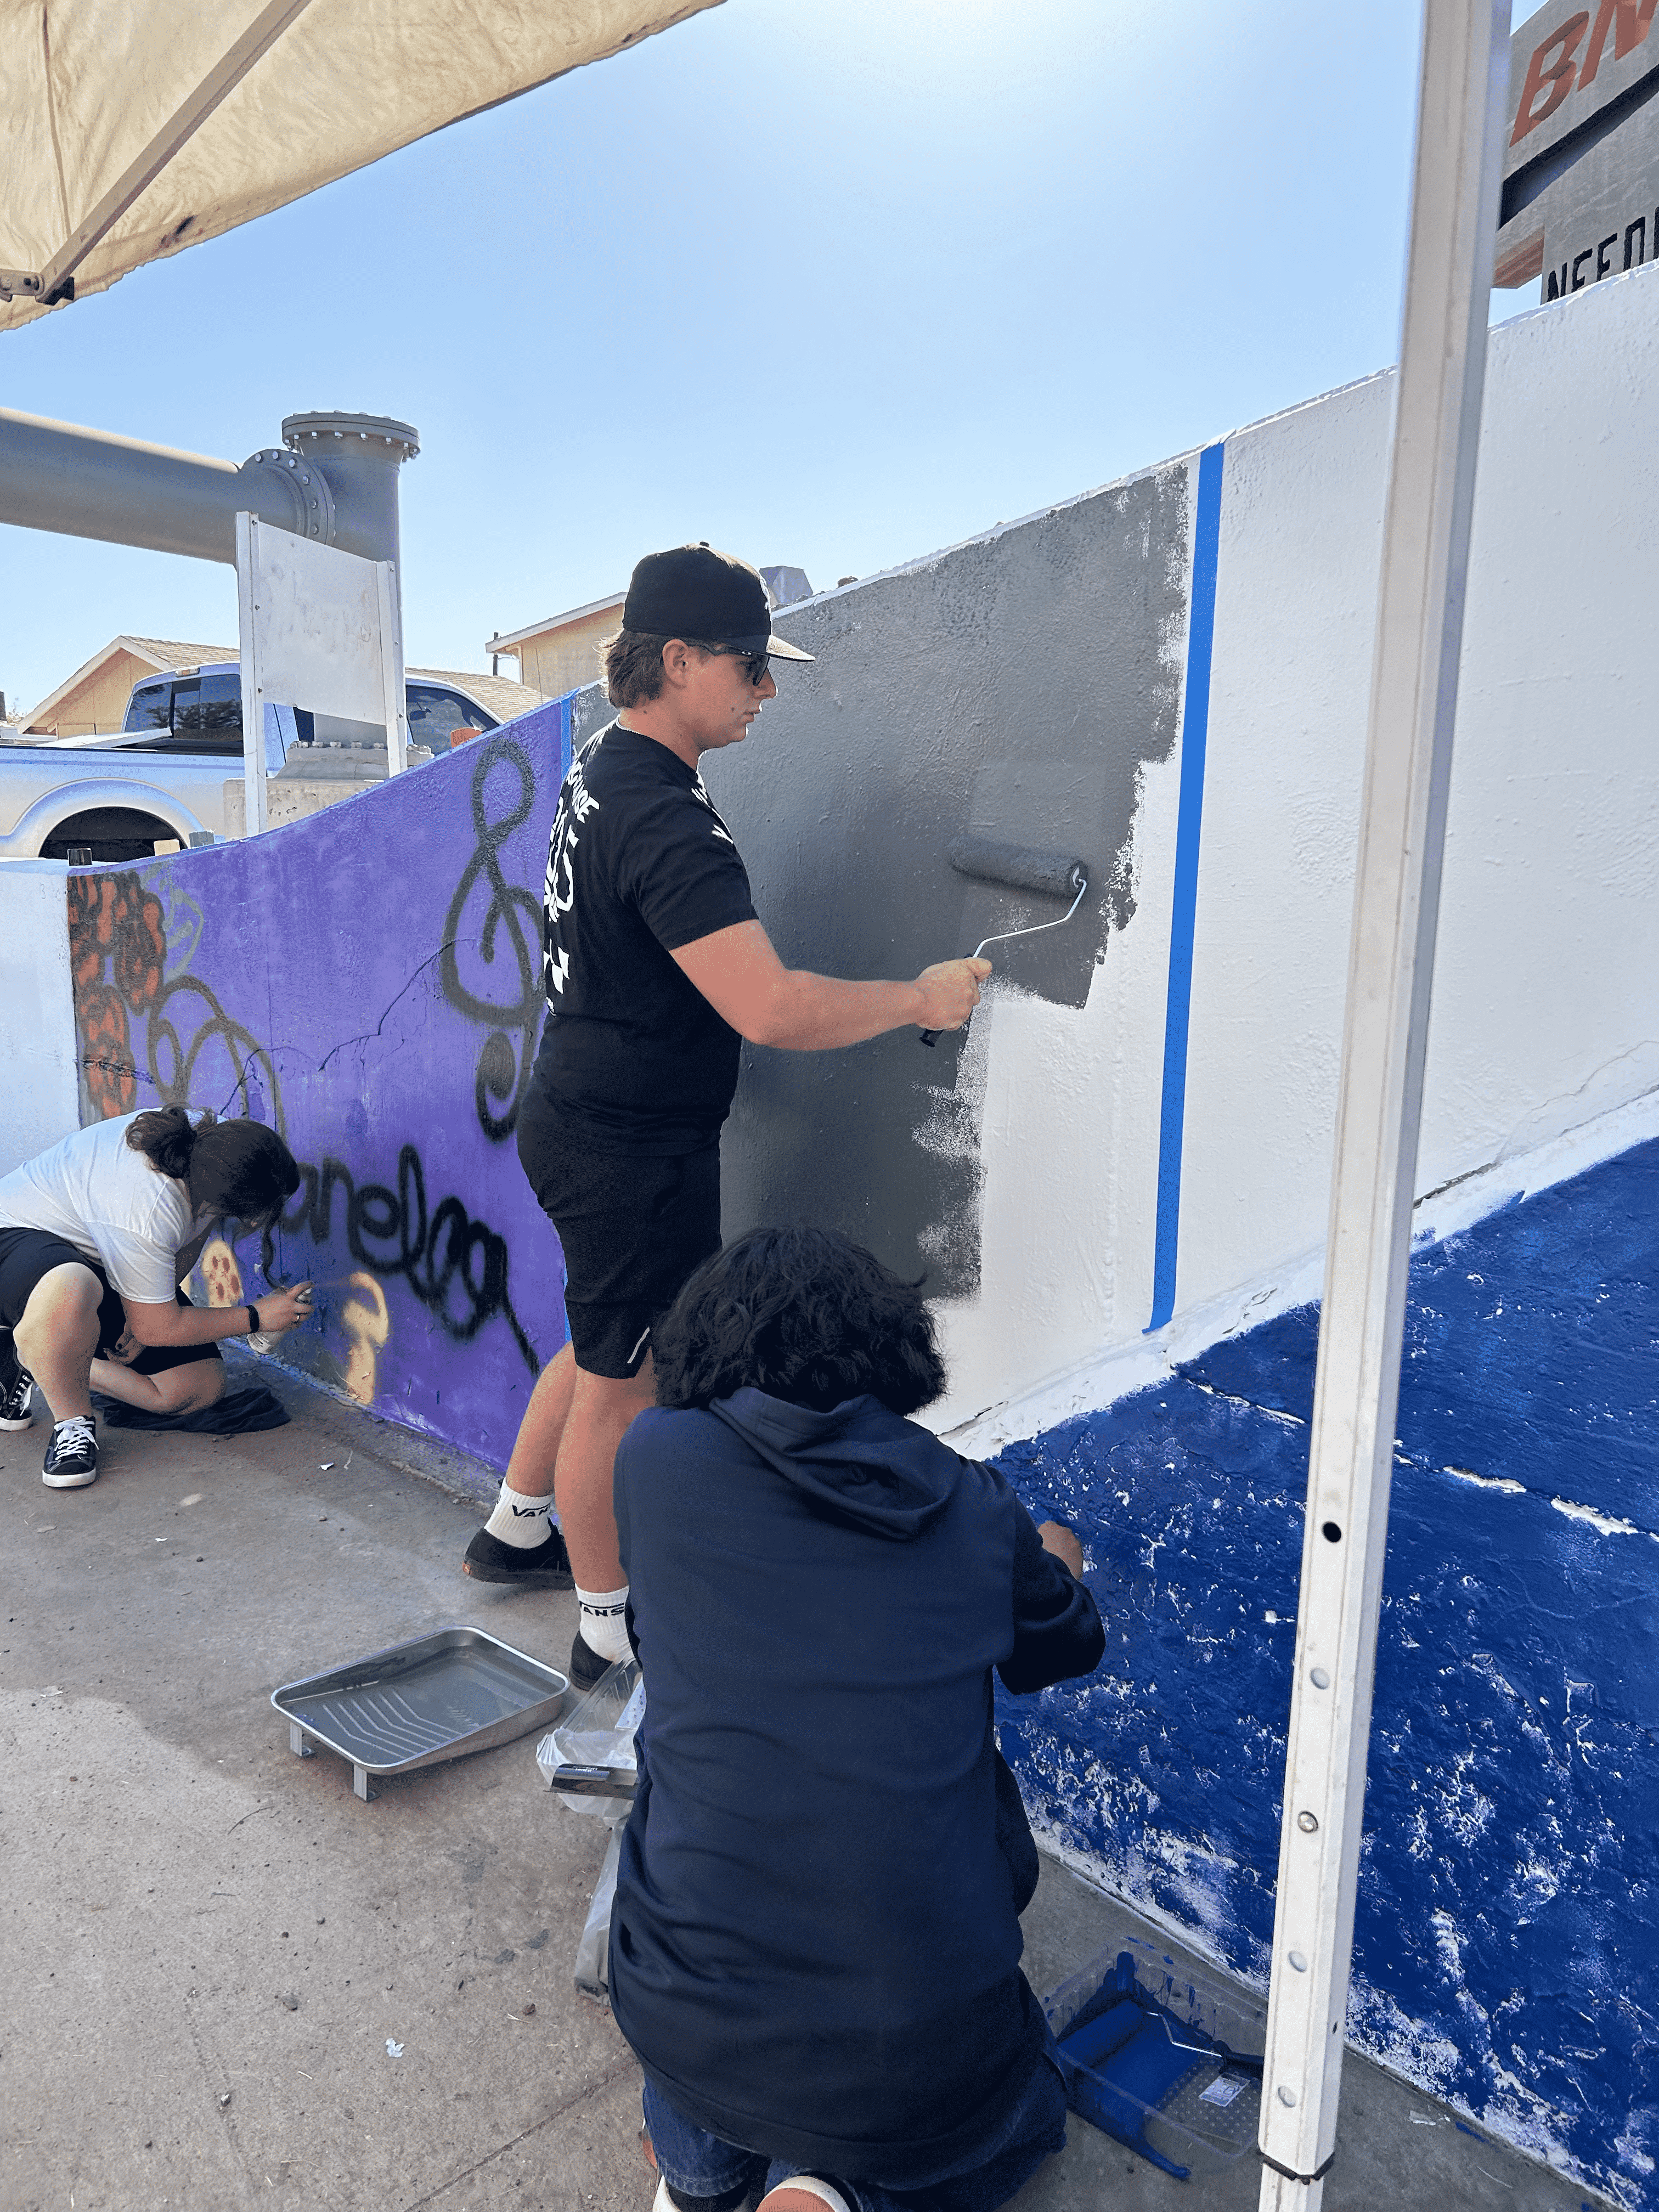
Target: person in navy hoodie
{"type": "Point", "coordinates": [815, 1945]}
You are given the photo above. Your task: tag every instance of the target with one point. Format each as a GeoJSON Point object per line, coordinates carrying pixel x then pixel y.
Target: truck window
{"type": "Point", "coordinates": [149, 707]}
{"type": "Point", "coordinates": [207, 716]}
{"type": "Point", "coordinates": [221, 706]}
{"type": "Point", "coordinates": [432, 713]}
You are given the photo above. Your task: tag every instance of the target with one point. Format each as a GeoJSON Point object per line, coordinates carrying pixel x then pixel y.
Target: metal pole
{"type": "Point", "coordinates": [1454, 221]}
{"type": "Point", "coordinates": [396, 708]}
{"type": "Point", "coordinates": [257, 814]}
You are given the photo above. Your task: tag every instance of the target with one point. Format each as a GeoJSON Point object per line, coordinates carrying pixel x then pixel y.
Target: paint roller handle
{"type": "Point", "coordinates": [952, 984]}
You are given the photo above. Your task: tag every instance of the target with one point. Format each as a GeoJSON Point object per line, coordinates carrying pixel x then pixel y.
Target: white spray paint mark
{"type": "Point", "coordinates": [1488, 1481]}
{"type": "Point", "coordinates": [1606, 1524]}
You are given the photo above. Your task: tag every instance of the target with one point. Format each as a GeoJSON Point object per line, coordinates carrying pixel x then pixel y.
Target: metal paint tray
{"type": "Point", "coordinates": [438, 1697]}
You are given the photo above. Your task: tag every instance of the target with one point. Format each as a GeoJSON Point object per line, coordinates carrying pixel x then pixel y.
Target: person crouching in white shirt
{"type": "Point", "coordinates": [96, 1238]}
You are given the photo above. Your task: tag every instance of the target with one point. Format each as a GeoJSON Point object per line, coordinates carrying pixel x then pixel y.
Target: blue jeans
{"type": "Point", "coordinates": [706, 2175]}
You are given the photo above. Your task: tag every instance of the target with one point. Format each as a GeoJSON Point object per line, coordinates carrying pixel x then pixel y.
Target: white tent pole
{"type": "Point", "coordinates": [1453, 222]}
{"type": "Point", "coordinates": [253, 691]}
{"type": "Point", "coordinates": [391, 668]}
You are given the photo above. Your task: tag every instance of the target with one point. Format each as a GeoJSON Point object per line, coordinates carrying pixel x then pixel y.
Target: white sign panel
{"type": "Point", "coordinates": [320, 630]}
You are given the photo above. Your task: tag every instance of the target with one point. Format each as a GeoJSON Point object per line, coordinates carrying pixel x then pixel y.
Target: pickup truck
{"type": "Point", "coordinates": [160, 780]}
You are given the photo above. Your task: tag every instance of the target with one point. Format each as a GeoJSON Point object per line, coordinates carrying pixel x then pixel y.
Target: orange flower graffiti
{"type": "Point", "coordinates": [114, 921]}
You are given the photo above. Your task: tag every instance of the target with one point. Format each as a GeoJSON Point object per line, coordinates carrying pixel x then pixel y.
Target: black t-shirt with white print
{"type": "Point", "coordinates": [634, 1058]}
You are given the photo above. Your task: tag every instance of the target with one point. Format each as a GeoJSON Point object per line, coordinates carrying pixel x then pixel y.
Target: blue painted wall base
{"type": "Point", "coordinates": [1505, 1950]}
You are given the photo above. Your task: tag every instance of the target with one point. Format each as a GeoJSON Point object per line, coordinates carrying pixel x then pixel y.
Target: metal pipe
{"type": "Point", "coordinates": [335, 481]}
{"type": "Point", "coordinates": [1419, 623]}
{"type": "Point", "coordinates": [359, 456]}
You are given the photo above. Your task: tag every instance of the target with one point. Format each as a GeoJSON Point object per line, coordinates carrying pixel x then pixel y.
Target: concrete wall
{"type": "Point", "coordinates": [1137, 1137]}
{"type": "Point", "coordinates": [1031, 681]}
{"type": "Point", "coordinates": [1169, 678]}
{"type": "Point", "coordinates": [367, 982]}
{"type": "Point", "coordinates": [37, 1024]}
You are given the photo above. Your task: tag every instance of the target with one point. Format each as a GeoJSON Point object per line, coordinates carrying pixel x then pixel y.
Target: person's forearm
{"type": "Point", "coordinates": [172, 1328]}
{"type": "Point", "coordinates": [816, 1013]}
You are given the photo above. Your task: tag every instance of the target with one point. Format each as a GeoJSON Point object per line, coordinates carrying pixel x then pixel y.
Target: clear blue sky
{"type": "Point", "coordinates": [827, 281]}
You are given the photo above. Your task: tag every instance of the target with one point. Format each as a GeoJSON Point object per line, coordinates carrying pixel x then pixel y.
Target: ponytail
{"type": "Point", "coordinates": [166, 1138]}
{"type": "Point", "coordinates": [239, 1169]}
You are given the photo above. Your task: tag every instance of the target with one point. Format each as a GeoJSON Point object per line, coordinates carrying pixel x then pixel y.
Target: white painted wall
{"type": "Point", "coordinates": [40, 1100]}
{"type": "Point", "coordinates": [1546, 983]}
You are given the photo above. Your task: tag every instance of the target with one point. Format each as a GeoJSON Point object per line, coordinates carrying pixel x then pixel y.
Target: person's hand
{"type": "Point", "coordinates": [951, 990]}
{"type": "Point", "coordinates": [1058, 1538]}
{"type": "Point", "coordinates": [125, 1350]}
{"type": "Point", "coordinates": [281, 1310]}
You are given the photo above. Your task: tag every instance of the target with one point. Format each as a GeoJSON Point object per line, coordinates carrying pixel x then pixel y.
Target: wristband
{"type": "Point", "coordinates": [254, 1321]}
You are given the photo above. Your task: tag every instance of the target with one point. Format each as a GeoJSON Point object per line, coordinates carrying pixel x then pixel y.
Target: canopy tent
{"type": "Point", "coordinates": [135, 128]}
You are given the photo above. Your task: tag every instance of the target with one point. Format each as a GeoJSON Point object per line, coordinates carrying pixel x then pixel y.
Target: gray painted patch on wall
{"type": "Point", "coordinates": [1015, 687]}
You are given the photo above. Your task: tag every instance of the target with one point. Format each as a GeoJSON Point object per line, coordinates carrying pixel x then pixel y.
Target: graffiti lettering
{"type": "Point", "coordinates": [502, 1071]}
{"type": "Point", "coordinates": [456, 1266]}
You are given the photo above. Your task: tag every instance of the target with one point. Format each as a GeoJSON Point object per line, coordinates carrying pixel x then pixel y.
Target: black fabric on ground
{"type": "Point", "coordinates": [238, 1413]}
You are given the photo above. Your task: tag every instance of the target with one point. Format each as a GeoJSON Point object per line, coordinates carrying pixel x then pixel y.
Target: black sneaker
{"type": "Point", "coordinates": [587, 1668]}
{"type": "Point", "coordinates": [16, 1384]}
{"type": "Point", "coordinates": [72, 1454]}
{"type": "Point", "coordinates": [546, 1565]}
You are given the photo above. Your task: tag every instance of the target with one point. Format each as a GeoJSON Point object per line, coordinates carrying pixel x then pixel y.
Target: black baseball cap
{"type": "Point", "coordinates": [706, 597]}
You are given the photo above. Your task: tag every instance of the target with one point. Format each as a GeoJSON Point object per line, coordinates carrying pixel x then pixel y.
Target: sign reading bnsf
{"type": "Point", "coordinates": [1581, 160]}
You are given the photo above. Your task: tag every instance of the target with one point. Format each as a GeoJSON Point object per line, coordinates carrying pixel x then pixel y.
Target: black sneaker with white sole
{"type": "Point", "coordinates": [72, 1454]}
{"type": "Point", "coordinates": [546, 1565]}
{"type": "Point", "coordinates": [16, 1385]}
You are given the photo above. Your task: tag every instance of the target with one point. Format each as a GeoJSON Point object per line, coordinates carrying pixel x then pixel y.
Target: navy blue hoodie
{"type": "Point", "coordinates": [816, 1942]}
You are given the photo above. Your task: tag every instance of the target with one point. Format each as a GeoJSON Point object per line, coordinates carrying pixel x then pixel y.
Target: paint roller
{"type": "Point", "coordinates": [1022, 867]}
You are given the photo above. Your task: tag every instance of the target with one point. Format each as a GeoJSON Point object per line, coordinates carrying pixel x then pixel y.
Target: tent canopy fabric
{"type": "Point", "coordinates": [136, 128]}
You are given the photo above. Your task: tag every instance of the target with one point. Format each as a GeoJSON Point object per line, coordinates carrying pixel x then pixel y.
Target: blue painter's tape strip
{"type": "Point", "coordinates": [1194, 737]}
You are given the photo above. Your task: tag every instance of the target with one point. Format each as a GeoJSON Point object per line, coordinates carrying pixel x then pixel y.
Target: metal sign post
{"type": "Point", "coordinates": [320, 628]}
{"type": "Point", "coordinates": [1461, 115]}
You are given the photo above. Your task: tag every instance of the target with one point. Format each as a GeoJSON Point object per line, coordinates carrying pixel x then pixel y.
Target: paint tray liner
{"type": "Point", "coordinates": [1166, 2059]}
{"type": "Point", "coordinates": [589, 1758]}
{"type": "Point", "coordinates": [437, 1696]}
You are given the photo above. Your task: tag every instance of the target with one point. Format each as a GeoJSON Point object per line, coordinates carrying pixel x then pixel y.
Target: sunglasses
{"type": "Point", "coordinates": [754, 664]}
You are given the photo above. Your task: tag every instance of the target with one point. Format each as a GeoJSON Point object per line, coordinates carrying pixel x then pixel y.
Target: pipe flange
{"type": "Point", "coordinates": [303, 504]}
{"type": "Point", "coordinates": [327, 431]}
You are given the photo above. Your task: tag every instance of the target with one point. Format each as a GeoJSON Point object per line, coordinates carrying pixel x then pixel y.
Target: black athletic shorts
{"type": "Point", "coordinates": [633, 1228]}
{"type": "Point", "coordinates": [26, 1255]}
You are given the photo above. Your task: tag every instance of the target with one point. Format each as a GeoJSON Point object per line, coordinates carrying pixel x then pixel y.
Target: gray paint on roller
{"type": "Point", "coordinates": [1014, 689]}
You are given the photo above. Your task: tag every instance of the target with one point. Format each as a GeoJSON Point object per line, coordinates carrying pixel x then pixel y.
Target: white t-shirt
{"type": "Point", "coordinates": [97, 1193]}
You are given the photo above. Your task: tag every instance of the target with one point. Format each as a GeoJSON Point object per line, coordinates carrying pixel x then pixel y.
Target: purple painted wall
{"type": "Point", "coordinates": [367, 981]}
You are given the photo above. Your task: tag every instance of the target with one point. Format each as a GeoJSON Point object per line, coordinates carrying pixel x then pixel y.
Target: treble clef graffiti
{"type": "Point", "coordinates": [503, 1067]}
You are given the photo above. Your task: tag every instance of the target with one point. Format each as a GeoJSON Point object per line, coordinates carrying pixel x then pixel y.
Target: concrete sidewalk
{"type": "Point", "coordinates": [232, 1983]}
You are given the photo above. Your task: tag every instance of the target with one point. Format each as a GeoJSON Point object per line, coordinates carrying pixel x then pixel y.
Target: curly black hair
{"type": "Point", "coordinates": [805, 1315]}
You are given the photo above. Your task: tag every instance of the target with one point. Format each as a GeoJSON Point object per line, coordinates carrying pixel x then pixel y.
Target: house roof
{"type": "Point", "coordinates": [503, 697]}
{"type": "Point", "coordinates": [505, 643]}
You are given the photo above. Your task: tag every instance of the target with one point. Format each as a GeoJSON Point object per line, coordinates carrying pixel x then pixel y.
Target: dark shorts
{"type": "Point", "coordinates": [26, 1255]}
{"type": "Point", "coordinates": [633, 1228]}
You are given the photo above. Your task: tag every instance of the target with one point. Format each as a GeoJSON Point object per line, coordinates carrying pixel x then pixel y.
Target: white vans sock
{"type": "Point", "coordinates": [604, 1623]}
{"type": "Point", "coordinates": [521, 1521]}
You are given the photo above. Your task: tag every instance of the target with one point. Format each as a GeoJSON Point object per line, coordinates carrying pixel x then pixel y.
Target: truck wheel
{"type": "Point", "coordinates": [108, 836]}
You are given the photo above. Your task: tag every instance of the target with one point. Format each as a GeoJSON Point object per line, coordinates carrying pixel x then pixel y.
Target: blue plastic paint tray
{"type": "Point", "coordinates": [1164, 2060]}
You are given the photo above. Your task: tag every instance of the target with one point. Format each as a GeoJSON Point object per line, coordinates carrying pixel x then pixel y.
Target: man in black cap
{"type": "Point", "coordinates": [656, 967]}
